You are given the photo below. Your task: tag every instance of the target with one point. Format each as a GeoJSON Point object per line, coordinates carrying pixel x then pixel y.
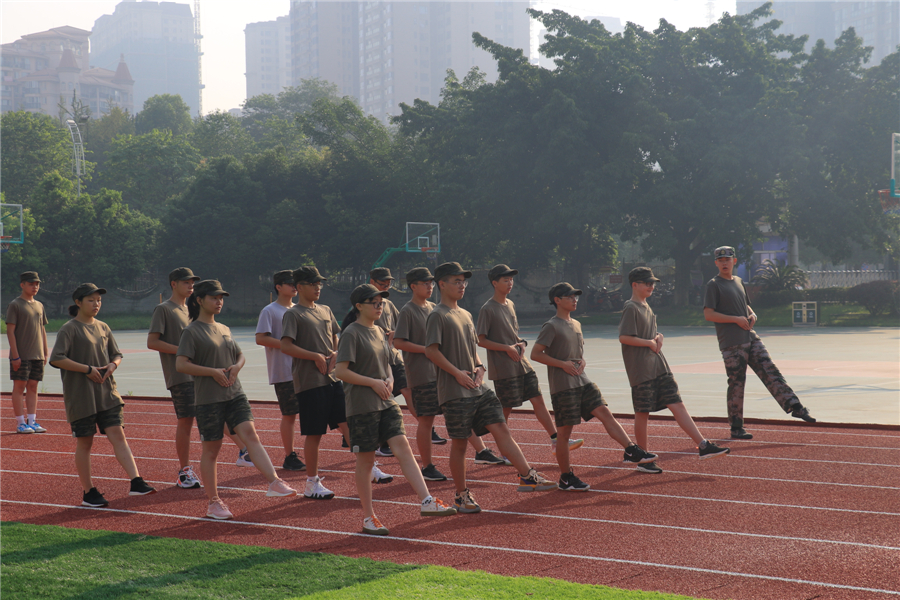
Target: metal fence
{"type": "Point", "coordinates": [827, 279]}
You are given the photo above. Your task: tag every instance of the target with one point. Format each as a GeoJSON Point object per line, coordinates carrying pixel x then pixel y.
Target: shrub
{"type": "Point", "coordinates": [776, 277]}
{"type": "Point", "coordinates": [877, 296]}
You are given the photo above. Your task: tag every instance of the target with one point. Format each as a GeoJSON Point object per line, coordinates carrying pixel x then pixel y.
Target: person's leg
{"type": "Point", "coordinates": [735, 359]}
{"type": "Point", "coordinates": [407, 397]}
{"type": "Point", "coordinates": [477, 443]}
{"type": "Point", "coordinates": [684, 420]}
{"type": "Point", "coordinates": [641, 422]}
{"type": "Point", "coordinates": [287, 433]}
{"type": "Point", "coordinates": [759, 360]}
{"type": "Point", "coordinates": [258, 454]}
{"type": "Point", "coordinates": [83, 447]}
{"type": "Point", "coordinates": [563, 433]}
{"type": "Point", "coordinates": [408, 465]}
{"type": "Point", "coordinates": [183, 440]}
{"type": "Point", "coordinates": [31, 396]}
{"type": "Point", "coordinates": [423, 440]}
{"type": "Point", "coordinates": [236, 438]}
{"type": "Point", "coordinates": [209, 454]}
{"type": "Point", "coordinates": [613, 427]}
{"type": "Point", "coordinates": [18, 398]}
{"type": "Point", "coordinates": [543, 415]}
{"type": "Point", "coordinates": [116, 436]}
{"type": "Point", "coordinates": [364, 463]}
{"type": "Point", "coordinates": [458, 463]}
{"type": "Point", "coordinates": [311, 453]}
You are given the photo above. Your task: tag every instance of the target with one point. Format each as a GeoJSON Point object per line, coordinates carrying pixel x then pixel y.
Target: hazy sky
{"type": "Point", "coordinates": [223, 22]}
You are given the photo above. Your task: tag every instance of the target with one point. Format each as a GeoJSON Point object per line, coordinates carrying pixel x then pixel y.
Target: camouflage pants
{"type": "Point", "coordinates": [754, 354]}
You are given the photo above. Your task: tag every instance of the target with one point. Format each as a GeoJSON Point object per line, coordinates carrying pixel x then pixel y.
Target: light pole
{"type": "Point", "coordinates": [77, 151]}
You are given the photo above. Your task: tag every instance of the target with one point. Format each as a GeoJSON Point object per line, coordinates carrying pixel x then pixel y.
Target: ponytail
{"type": "Point", "coordinates": [73, 310]}
{"type": "Point", "coordinates": [193, 306]}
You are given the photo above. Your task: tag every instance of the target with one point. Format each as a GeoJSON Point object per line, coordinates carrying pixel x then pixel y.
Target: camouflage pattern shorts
{"type": "Point", "coordinates": [287, 399]}
{"type": "Point", "coordinates": [87, 426]}
{"type": "Point", "coordinates": [212, 418]}
{"type": "Point", "coordinates": [571, 406]}
{"type": "Point", "coordinates": [368, 430]}
{"type": "Point", "coordinates": [655, 394]}
{"type": "Point", "coordinates": [465, 415]}
{"type": "Point", "coordinates": [183, 400]}
{"type": "Point", "coordinates": [425, 400]}
{"type": "Point", "coordinates": [514, 391]}
{"type": "Point", "coordinates": [29, 370]}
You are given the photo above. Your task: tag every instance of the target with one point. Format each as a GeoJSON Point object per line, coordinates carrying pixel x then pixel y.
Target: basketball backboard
{"type": "Point", "coordinates": [895, 164]}
{"type": "Point", "coordinates": [423, 237]}
{"type": "Point", "coordinates": [12, 230]}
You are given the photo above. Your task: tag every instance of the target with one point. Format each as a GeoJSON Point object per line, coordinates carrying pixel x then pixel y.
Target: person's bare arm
{"type": "Point", "coordinates": [463, 378]}
{"type": "Point", "coordinates": [382, 387]}
{"type": "Point", "coordinates": [154, 343]}
{"type": "Point", "coordinates": [716, 317]}
{"type": "Point", "coordinates": [266, 339]}
{"type": "Point", "coordinates": [514, 351]}
{"type": "Point", "coordinates": [571, 367]}
{"type": "Point", "coordinates": [630, 340]}
{"type": "Point", "coordinates": [184, 365]}
{"type": "Point", "coordinates": [95, 374]}
{"type": "Point", "coordinates": [408, 346]}
{"type": "Point", "coordinates": [14, 349]}
{"type": "Point", "coordinates": [291, 349]}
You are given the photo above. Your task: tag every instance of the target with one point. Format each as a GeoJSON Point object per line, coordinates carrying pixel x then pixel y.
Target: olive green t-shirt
{"type": "Point", "coordinates": [411, 327]}
{"type": "Point", "coordinates": [211, 345]}
{"type": "Point", "coordinates": [729, 298]}
{"type": "Point", "coordinates": [30, 319]}
{"type": "Point", "coordinates": [454, 332]}
{"type": "Point", "coordinates": [365, 348]}
{"type": "Point", "coordinates": [641, 363]}
{"type": "Point", "coordinates": [312, 329]}
{"type": "Point", "coordinates": [498, 323]}
{"type": "Point", "coordinates": [169, 320]}
{"type": "Point", "coordinates": [564, 341]}
{"type": "Point", "coordinates": [92, 345]}
{"type": "Point", "coordinates": [388, 322]}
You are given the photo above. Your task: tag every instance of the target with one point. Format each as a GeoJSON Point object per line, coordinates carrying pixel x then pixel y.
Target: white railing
{"type": "Point", "coordinates": [827, 279]}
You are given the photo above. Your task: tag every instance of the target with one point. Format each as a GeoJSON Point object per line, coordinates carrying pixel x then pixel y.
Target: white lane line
{"type": "Point", "coordinates": [594, 491]}
{"type": "Point", "coordinates": [530, 515]}
{"type": "Point", "coordinates": [462, 545]}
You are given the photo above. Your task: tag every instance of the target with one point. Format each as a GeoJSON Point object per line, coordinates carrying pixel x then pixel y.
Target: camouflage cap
{"type": "Point", "coordinates": [498, 271]}
{"type": "Point", "coordinates": [561, 290]}
{"type": "Point", "coordinates": [29, 276]}
{"type": "Point", "coordinates": [641, 274]}
{"type": "Point", "coordinates": [283, 277]}
{"type": "Point", "coordinates": [86, 289]}
{"type": "Point", "coordinates": [308, 274]}
{"type": "Point", "coordinates": [381, 274]}
{"type": "Point", "coordinates": [182, 274]}
{"type": "Point", "coordinates": [723, 251]}
{"type": "Point", "coordinates": [363, 292]}
{"type": "Point", "coordinates": [209, 287]}
{"type": "Point", "coordinates": [450, 268]}
{"type": "Point", "coordinates": [418, 274]}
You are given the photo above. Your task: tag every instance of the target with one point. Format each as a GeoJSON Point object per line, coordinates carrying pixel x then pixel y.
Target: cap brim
{"type": "Point", "coordinates": [509, 273]}
{"type": "Point", "coordinates": [194, 278]}
{"type": "Point", "coordinates": [421, 280]}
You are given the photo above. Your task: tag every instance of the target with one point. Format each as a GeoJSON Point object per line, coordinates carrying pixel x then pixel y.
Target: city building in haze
{"type": "Point", "coordinates": [877, 22]}
{"type": "Point", "coordinates": [385, 53]}
{"type": "Point", "coordinates": [157, 41]}
{"type": "Point", "coordinates": [40, 70]}
{"type": "Point", "coordinates": [268, 56]}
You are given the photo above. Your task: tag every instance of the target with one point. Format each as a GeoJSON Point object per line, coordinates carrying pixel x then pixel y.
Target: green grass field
{"type": "Point", "coordinates": [45, 561]}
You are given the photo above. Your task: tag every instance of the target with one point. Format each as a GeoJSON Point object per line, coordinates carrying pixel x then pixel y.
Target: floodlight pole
{"type": "Point", "coordinates": [77, 151]}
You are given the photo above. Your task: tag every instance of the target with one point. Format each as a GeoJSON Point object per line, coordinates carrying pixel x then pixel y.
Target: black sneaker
{"type": "Point", "coordinates": [712, 451]}
{"type": "Point", "coordinates": [486, 457]}
{"type": "Point", "coordinates": [636, 454]}
{"type": "Point", "coordinates": [384, 450]}
{"type": "Point", "coordinates": [436, 439]}
{"type": "Point", "coordinates": [741, 434]}
{"type": "Point", "coordinates": [293, 463]}
{"type": "Point", "coordinates": [801, 412]}
{"type": "Point", "coordinates": [569, 482]}
{"type": "Point", "coordinates": [94, 499]}
{"type": "Point", "coordinates": [139, 487]}
{"type": "Point", "coordinates": [430, 473]}
{"type": "Point", "coordinates": [650, 467]}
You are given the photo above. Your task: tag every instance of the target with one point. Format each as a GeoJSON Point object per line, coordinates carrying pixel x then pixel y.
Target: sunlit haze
{"type": "Point", "coordinates": [223, 22]}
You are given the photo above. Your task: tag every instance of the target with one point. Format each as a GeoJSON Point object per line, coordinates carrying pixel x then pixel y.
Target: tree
{"type": "Point", "coordinates": [33, 145]}
{"type": "Point", "coordinates": [164, 112]}
{"type": "Point", "coordinates": [150, 169]}
{"type": "Point", "coordinates": [220, 134]}
{"type": "Point", "coordinates": [270, 119]}
{"type": "Point", "coordinates": [85, 238]}
{"type": "Point", "coordinates": [102, 132]}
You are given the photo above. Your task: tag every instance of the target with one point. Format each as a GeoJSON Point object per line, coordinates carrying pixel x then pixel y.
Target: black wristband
{"type": "Point", "coordinates": [88, 372]}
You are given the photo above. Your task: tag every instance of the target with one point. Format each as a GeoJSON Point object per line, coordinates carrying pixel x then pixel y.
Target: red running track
{"type": "Point", "coordinates": [801, 511]}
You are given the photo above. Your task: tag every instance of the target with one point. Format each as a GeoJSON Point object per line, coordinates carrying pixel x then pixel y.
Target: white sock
{"type": "Point", "coordinates": [20, 419]}
{"type": "Point", "coordinates": [31, 419]}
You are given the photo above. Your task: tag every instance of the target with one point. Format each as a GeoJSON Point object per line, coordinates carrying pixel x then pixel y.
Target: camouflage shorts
{"type": "Point", "coordinates": [514, 391]}
{"type": "Point", "coordinates": [111, 417]}
{"type": "Point", "coordinates": [212, 418]}
{"type": "Point", "coordinates": [656, 394]}
{"type": "Point", "coordinates": [425, 400]}
{"type": "Point", "coordinates": [183, 399]}
{"type": "Point", "coordinates": [29, 370]}
{"type": "Point", "coordinates": [571, 406]}
{"type": "Point", "coordinates": [465, 415]}
{"type": "Point", "coordinates": [369, 430]}
{"type": "Point", "coordinates": [287, 399]}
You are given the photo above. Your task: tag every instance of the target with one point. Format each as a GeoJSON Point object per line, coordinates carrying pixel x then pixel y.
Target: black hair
{"type": "Point", "coordinates": [193, 306]}
{"type": "Point", "coordinates": [350, 317]}
{"type": "Point", "coordinates": [73, 310]}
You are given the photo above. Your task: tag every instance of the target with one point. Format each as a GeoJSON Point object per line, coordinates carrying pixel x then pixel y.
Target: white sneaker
{"type": "Point", "coordinates": [433, 507]}
{"type": "Point", "coordinates": [36, 427]}
{"type": "Point", "coordinates": [379, 476]}
{"type": "Point", "coordinates": [279, 488]}
{"type": "Point", "coordinates": [317, 491]}
{"type": "Point", "coordinates": [573, 445]}
{"type": "Point", "coordinates": [187, 479]}
{"type": "Point", "coordinates": [373, 526]}
{"type": "Point", "coordinates": [243, 459]}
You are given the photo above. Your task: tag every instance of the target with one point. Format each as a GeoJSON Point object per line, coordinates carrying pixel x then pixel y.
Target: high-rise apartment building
{"type": "Point", "coordinates": [877, 22]}
{"type": "Point", "coordinates": [157, 41]}
{"type": "Point", "coordinates": [387, 53]}
{"type": "Point", "coordinates": [42, 70]}
{"type": "Point", "coordinates": [268, 56]}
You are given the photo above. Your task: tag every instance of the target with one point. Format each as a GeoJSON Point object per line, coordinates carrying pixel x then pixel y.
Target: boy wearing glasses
{"type": "Point", "coordinates": [309, 334]}
{"type": "Point", "coordinates": [560, 346]}
{"type": "Point", "coordinates": [728, 306]}
{"type": "Point", "coordinates": [467, 404]}
{"type": "Point", "coordinates": [268, 335]}
{"type": "Point", "coordinates": [653, 387]}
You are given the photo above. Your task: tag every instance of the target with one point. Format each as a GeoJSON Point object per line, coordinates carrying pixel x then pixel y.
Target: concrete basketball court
{"type": "Point", "coordinates": [844, 375]}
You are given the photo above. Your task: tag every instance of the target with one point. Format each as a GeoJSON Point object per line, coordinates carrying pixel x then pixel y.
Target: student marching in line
{"type": "Point", "coordinates": [209, 354]}
{"type": "Point", "coordinates": [166, 325]}
{"type": "Point", "coordinates": [268, 335]}
{"type": "Point", "coordinates": [515, 381]}
{"type": "Point", "coordinates": [364, 365]}
{"type": "Point", "coordinates": [560, 346]}
{"type": "Point", "coordinates": [653, 386]}
{"type": "Point", "coordinates": [87, 355]}
{"type": "Point", "coordinates": [466, 403]}
{"type": "Point", "coordinates": [728, 306]}
{"type": "Point", "coordinates": [26, 332]}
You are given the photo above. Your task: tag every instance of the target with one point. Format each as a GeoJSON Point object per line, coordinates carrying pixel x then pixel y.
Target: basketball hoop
{"type": "Point", "coordinates": [889, 204]}
{"type": "Point", "coordinates": [429, 252]}
{"type": "Point", "coordinates": [4, 245]}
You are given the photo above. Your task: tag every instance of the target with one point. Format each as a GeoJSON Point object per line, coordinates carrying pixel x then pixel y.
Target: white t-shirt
{"type": "Point", "coordinates": [277, 362]}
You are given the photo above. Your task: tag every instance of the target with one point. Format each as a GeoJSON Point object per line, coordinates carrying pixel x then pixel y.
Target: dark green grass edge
{"type": "Point", "coordinates": [47, 561]}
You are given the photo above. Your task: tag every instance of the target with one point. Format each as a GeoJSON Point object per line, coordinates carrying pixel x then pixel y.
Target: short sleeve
{"type": "Point", "coordinates": [12, 313]}
{"type": "Point", "coordinates": [347, 348]}
{"type": "Point", "coordinates": [711, 300]}
{"type": "Point", "coordinates": [335, 328]}
{"type": "Point", "coordinates": [433, 329]}
{"type": "Point", "coordinates": [628, 324]}
{"type": "Point", "coordinates": [402, 331]}
{"type": "Point", "coordinates": [483, 327]}
{"type": "Point", "coordinates": [547, 335]}
{"type": "Point", "coordinates": [264, 324]}
{"type": "Point", "coordinates": [186, 345]}
{"type": "Point", "coordinates": [62, 346]}
{"type": "Point", "coordinates": [289, 326]}
{"type": "Point", "coordinates": [112, 347]}
{"type": "Point", "coordinates": [158, 320]}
